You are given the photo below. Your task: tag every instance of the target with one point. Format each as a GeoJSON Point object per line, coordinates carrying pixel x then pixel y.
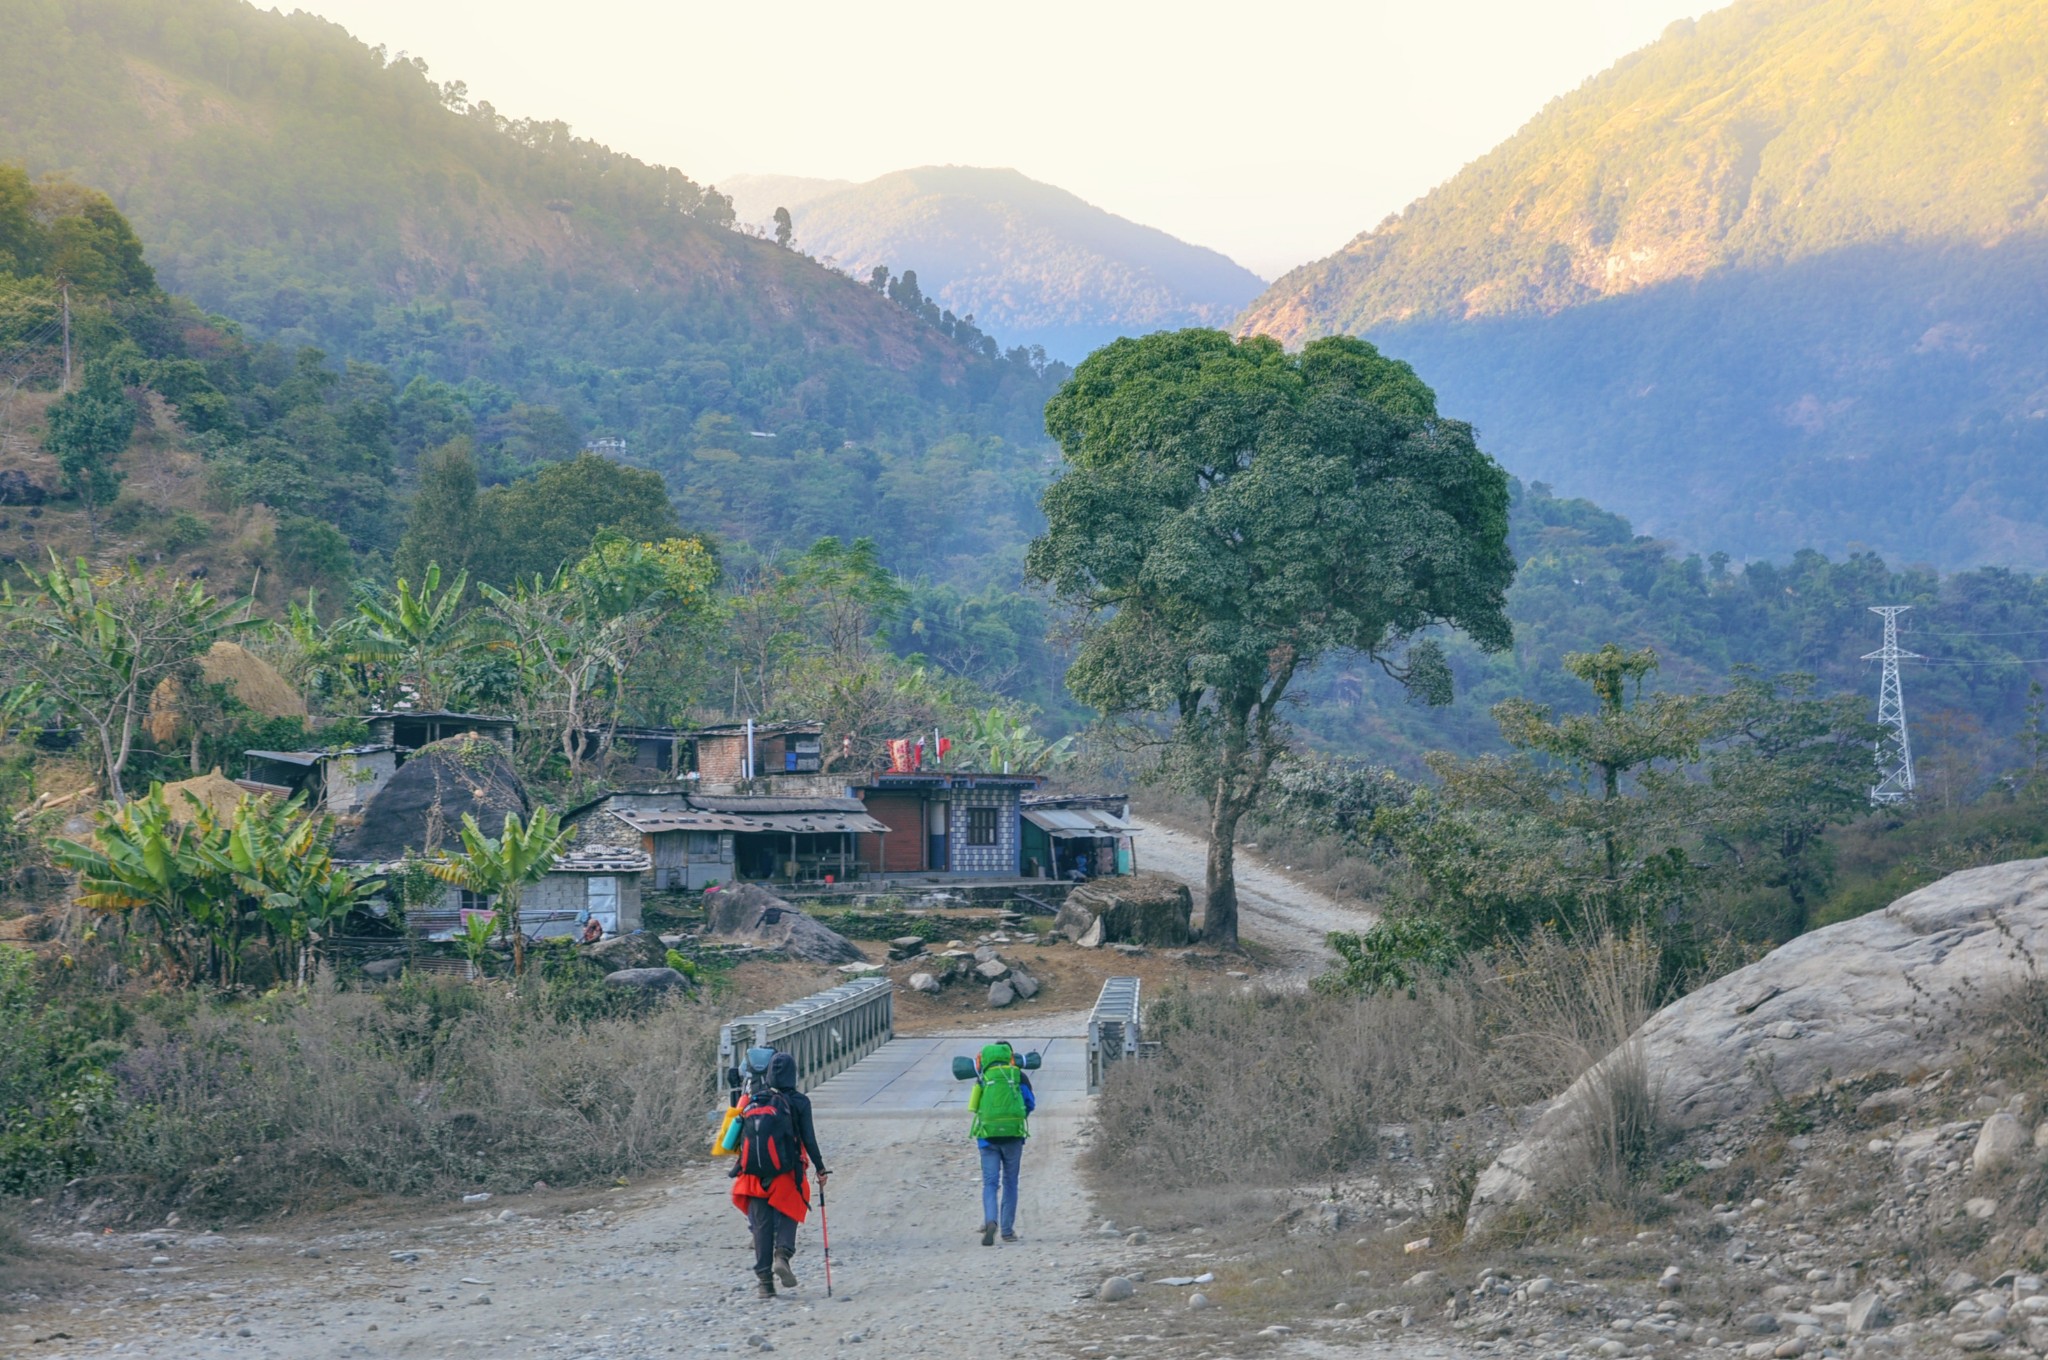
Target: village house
{"type": "Point", "coordinates": [940, 821]}
{"type": "Point", "coordinates": [1088, 834]}
{"type": "Point", "coordinates": [341, 782]}
{"type": "Point", "coordinates": [418, 813]}
{"type": "Point", "coordinates": [409, 730]}
{"type": "Point", "coordinates": [695, 839]}
{"type": "Point", "coordinates": [731, 754]}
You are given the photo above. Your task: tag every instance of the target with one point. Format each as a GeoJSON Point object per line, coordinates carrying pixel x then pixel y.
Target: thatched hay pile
{"type": "Point", "coordinates": [254, 681]}
{"type": "Point", "coordinates": [214, 792]}
{"type": "Point", "coordinates": [421, 809]}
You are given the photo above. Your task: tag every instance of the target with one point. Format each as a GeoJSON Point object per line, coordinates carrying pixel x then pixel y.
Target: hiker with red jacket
{"type": "Point", "coordinates": [777, 1139]}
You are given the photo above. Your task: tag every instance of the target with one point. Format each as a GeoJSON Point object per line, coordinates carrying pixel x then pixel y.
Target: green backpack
{"type": "Point", "coordinates": [999, 1111]}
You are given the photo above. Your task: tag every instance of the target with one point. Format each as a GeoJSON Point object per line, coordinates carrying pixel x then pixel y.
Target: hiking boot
{"type": "Point", "coordinates": [784, 1276]}
{"type": "Point", "coordinates": [767, 1287]}
{"type": "Point", "coordinates": [988, 1233]}
{"type": "Point", "coordinates": [1011, 1237]}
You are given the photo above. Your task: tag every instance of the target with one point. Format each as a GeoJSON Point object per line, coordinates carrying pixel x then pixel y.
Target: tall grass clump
{"type": "Point", "coordinates": [1284, 1088]}
{"type": "Point", "coordinates": [428, 1087]}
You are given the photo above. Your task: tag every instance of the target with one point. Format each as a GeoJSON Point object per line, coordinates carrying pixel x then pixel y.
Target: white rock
{"type": "Point", "coordinates": [2000, 1140]}
{"type": "Point", "coordinates": [1198, 1300]}
{"type": "Point", "coordinates": [1980, 1207]}
{"type": "Point", "coordinates": [924, 982]}
{"type": "Point", "coordinates": [1115, 1289]}
{"type": "Point", "coordinates": [1850, 995]}
{"type": "Point", "coordinates": [1867, 1312]}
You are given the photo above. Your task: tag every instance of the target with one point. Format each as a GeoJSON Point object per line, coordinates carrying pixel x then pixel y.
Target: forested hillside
{"type": "Point", "coordinates": [1586, 579]}
{"type": "Point", "coordinates": [1777, 281]}
{"type": "Point", "coordinates": [318, 191]}
{"type": "Point", "coordinates": [1031, 262]}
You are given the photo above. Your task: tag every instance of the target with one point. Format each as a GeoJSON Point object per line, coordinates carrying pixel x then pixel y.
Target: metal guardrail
{"type": "Point", "coordinates": [826, 1033]}
{"type": "Point", "coordinates": [1113, 1028]}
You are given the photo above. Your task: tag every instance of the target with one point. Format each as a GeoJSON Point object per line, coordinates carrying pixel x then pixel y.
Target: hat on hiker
{"type": "Point", "coordinates": [782, 1072]}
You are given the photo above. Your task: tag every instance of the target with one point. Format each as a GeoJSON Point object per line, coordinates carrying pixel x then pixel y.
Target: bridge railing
{"type": "Point", "coordinates": [826, 1033]}
{"type": "Point", "coordinates": [1113, 1028]}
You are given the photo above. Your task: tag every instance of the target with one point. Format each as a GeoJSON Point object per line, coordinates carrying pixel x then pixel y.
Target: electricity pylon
{"type": "Point", "coordinates": [1894, 749]}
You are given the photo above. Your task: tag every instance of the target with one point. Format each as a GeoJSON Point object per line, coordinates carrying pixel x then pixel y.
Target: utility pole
{"type": "Point", "coordinates": [1894, 751]}
{"type": "Point", "coordinates": [64, 285]}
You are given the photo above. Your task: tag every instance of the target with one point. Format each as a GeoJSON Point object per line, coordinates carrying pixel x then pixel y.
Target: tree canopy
{"type": "Point", "coordinates": [1230, 513]}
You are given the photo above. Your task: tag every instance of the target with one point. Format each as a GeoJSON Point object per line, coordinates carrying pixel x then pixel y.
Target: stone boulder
{"type": "Point", "coordinates": [1023, 984]}
{"type": "Point", "coordinates": [652, 981]}
{"type": "Point", "coordinates": [1843, 1002]}
{"type": "Point", "coordinates": [641, 949]}
{"type": "Point", "coordinates": [758, 917]}
{"type": "Point", "coordinates": [384, 970]}
{"type": "Point", "coordinates": [1001, 994]}
{"type": "Point", "coordinates": [1135, 908]}
{"type": "Point", "coordinates": [924, 982]}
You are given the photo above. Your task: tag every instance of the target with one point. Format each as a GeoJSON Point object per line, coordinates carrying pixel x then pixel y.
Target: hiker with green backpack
{"type": "Point", "coordinates": [1001, 1103]}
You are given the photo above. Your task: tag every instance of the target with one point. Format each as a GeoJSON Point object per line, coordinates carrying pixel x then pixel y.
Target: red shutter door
{"type": "Point", "coordinates": [902, 850]}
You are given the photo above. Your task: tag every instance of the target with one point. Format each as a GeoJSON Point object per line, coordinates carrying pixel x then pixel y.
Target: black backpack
{"type": "Point", "coordinates": [768, 1145]}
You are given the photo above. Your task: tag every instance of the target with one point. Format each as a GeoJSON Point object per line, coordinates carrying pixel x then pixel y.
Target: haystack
{"type": "Point", "coordinates": [421, 809]}
{"type": "Point", "coordinates": [214, 792]}
{"type": "Point", "coordinates": [254, 681]}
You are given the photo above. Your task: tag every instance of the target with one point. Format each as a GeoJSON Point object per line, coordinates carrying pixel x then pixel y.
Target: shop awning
{"type": "Point", "coordinates": [1081, 823]}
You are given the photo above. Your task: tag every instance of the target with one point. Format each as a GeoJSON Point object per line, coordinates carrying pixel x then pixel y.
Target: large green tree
{"type": "Point", "coordinates": [444, 525]}
{"type": "Point", "coordinates": [541, 523]}
{"type": "Point", "coordinates": [89, 431]}
{"type": "Point", "coordinates": [1230, 513]}
{"type": "Point", "coordinates": [98, 646]}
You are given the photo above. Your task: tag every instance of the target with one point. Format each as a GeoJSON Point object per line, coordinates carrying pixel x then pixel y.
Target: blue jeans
{"type": "Point", "coordinates": [1001, 1161]}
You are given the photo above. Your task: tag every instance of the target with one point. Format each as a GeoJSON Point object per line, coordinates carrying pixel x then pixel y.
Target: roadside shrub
{"type": "Point", "coordinates": [428, 1087]}
{"type": "Point", "coordinates": [1394, 953]}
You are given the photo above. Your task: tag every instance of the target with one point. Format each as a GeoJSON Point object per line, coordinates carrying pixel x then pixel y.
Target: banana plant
{"type": "Point", "coordinates": [277, 857]}
{"type": "Point", "coordinates": [996, 742]}
{"type": "Point", "coordinates": [207, 885]}
{"type": "Point", "coordinates": [503, 866]}
{"type": "Point", "coordinates": [420, 632]}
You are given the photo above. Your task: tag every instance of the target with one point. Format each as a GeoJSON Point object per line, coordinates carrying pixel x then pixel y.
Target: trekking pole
{"type": "Point", "coordinates": [825, 1230]}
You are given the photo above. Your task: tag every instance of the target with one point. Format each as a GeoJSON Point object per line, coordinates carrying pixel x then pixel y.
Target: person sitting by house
{"type": "Point", "coordinates": [1079, 871]}
{"type": "Point", "coordinates": [593, 930]}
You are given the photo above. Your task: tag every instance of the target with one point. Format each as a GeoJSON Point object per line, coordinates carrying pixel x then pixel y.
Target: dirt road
{"type": "Point", "coordinates": [654, 1270]}
{"type": "Point", "coordinates": [1273, 909]}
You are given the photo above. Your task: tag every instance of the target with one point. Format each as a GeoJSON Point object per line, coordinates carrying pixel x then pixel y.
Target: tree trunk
{"type": "Point", "coordinates": [509, 904]}
{"type": "Point", "coordinates": [1219, 897]}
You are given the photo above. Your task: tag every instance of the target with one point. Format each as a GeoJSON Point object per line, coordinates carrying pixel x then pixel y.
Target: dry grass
{"type": "Point", "coordinates": [425, 1089]}
{"type": "Point", "coordinates": [1261, 1088]}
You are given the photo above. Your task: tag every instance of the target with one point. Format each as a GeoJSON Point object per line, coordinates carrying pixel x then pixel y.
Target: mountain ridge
{"type": "Point", "coordinates": [1029, 260]}
{"type": "Point", "coordinates": [1777, 281]}
{"type": "Point", "coordinates": [318, 191]}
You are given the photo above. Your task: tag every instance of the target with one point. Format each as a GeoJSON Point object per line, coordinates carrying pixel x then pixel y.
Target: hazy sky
{"type": "Point", "coordinates": [1271, 131]}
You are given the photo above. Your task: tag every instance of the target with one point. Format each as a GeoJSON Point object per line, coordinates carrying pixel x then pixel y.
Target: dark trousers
{"type": "Point", "coordinates": [773, 1231]}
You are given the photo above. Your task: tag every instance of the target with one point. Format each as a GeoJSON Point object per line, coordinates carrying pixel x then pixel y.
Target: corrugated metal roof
{"type": "Point", "coordinates": [603, 859]}
{"type": "Point", "coordinates": [801, 823]}
{"type": "Point", "coordinates": [752, 806]}
{"type": "Point", "coordinates": [1077, 821]}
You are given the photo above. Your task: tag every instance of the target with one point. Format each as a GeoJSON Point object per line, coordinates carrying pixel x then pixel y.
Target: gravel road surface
{"type": "Point", "coordinates": [650, 1271]}
{"type": "Point", "coordinates": [1272, 908]}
